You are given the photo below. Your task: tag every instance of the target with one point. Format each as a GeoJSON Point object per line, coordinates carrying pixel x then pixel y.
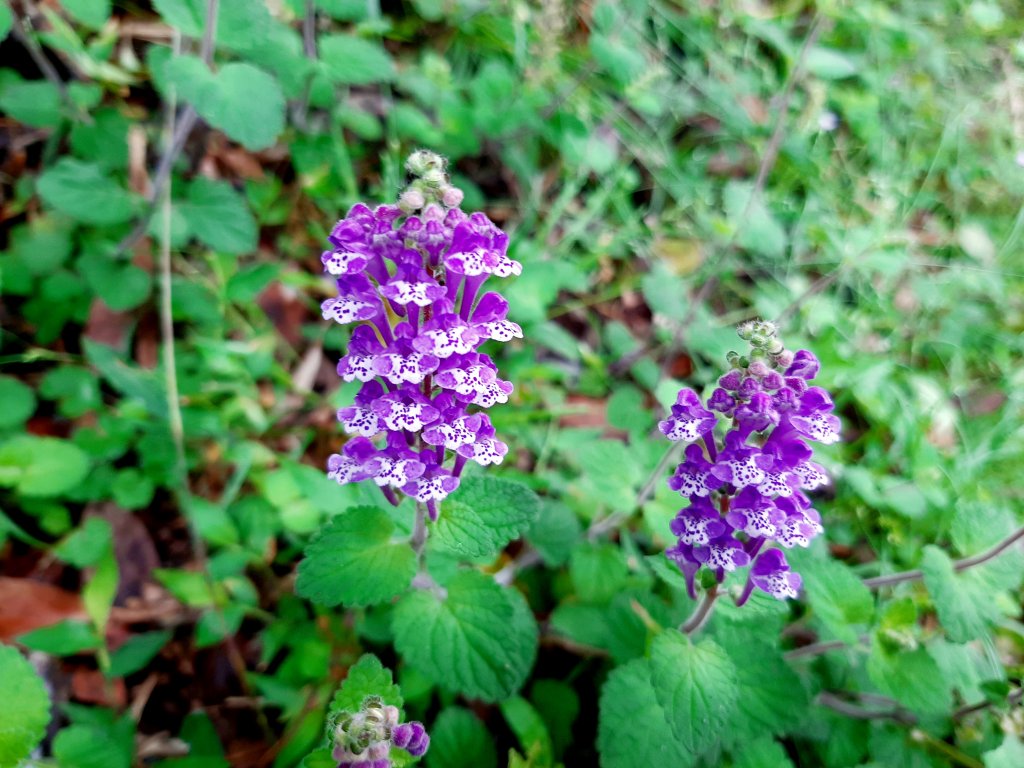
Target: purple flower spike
{"type": "Point", "coordinates": [411, 279]}
{"type": "Point", "coordinates": [412, 737]}
{"type": "Point", "coordinates": [747, 489]}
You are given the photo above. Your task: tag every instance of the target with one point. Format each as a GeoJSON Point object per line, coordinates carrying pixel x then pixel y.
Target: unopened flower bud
{"type": "Point", "coordinates": [423, 160]}
{"type": "Point", "coordinates": [745, 331]}
{"type": "Point", "coordinates": [784, 359]}
{"type": "Point", "coordinates": [759, 368]}
{"type": "Point", "coordinates": [451, 197]}
{"type": "Point", "coordinates": [411, 200]}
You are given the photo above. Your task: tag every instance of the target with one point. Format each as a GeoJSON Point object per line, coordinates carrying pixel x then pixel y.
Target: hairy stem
{"type": "Point", "coordinates": [700, 616]}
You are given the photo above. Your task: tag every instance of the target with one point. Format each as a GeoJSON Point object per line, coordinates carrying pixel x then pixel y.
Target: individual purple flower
{"type": "Point", "coordinates": [411, 278]}
{"type": "Point", "coordinates": [746, 489]}
{"type": "Point", "coordinates": [689, 419]}
{"type": "Point", "coordinates": [770, 573]}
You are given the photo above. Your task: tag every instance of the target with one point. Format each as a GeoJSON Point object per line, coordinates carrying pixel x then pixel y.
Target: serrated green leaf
{"type": "Point", "coordinates": [353, 60]}
{"type": "Point", "coordinates": [838, 598]}
{"type": "Point", "coordinates": [484, 515]}
{"type": "Point", "coordinates": [24, 707]}
{"type": "Point", "coordinates": [367, 677]}
{"type": "Point", "coordinates": [353, 561]}
{"type": "Point", "coordinates": [83, 192]}
{"type": "Point", "coordinates": [478, 640]}
{"type": "Point", "coordinates": [633, 729]}
{"type": "Point", "coordinates": [773, 699]}
{"type": "Point", "coordinates": [965, 607]}
{"type": "Point", "coordinates": [458, 739]}
{"type": "Point", "coordinates": [598, 571]}
{"type": "Point", "coordinates": [41, 466]}
{"type": "Point", "coordinates": [696, 685]}
{"type": "Point", "coordinates": [913, 678]}
{"type": "Point", "coordinates": [219, 216]}
{"type": "Point", "coordinates": [19, 402]}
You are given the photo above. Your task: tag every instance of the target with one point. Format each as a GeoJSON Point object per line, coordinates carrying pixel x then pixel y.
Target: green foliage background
{"type": "Point", "coordinates": [665, 170]}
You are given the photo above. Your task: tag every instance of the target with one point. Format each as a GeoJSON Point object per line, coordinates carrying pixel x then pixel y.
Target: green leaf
{"type": "Point", "coordinates": [6, 20]}
{"type": "Point", "coordinates": [763, 752]}
{"type": "Point", "coordinates": [132, 489]}
{"type": "Point", "coordinates": [96, 745]}
{"type": "Point", "coordinates": [1009, 755]}
{"type": "Point", "coordinates": [484, 515]}
{"type": "Point", "coordinates": [773, 699]}
{"type": "Point", "coordinates": [34, 102]}
{"type": "Point", "coordinates": [130, 381]}
{"type": "Point", "coordinates": [353, 561]}
{"type": "Point", "coordinates": [696, 685]}
{"type": "Point", "coordinates": [136, 652]}
{"type": "Point", "coordinates": [965, 607]}
{"type": "Point", "coordinates": [838, 598]}
{"type": "Point", "coordinates": [478, 640]}
{"type": "Point", "coordinates": [528, 726]}
{"type": "Point", "coordinates": [598, 571]}
{"type": "Point", "coordinates": [75, 389]}
{"type": "Point", "coordinates": [830, 64]}
{"type": "Point", "coordinates": [19, 402]}
{"type": "Point", "coordinates": [98, 594]}
{"type": "Point", "coordinates": [91, 13]}
{"type": "Point", "coordinates": [458, 739]}
{"type": "Point", "coordinates": [24, 707]}
{"type": "Point", "coordinates": [913, 678]}
{"type": "Point", "coordinates": [367, 677]}
{"type": "Point", "coordinates": [219, 216]}
{"type": "Point", "coordinates": [65, 638]}
{"type": "Point", "coordinates": [119, 283]}
{"type": "Point", "coordinates": [633, 729]}
{"type": "Point", "coordinates": [41, 466]}
{"type": "Point", "coordinates": [243, 101]}
{"type": "Point", "coordinates": [87, 545]}
{"type": "Point", "coordinates": [758, 229]}
{"type": "Point", "coordinates": [554, 533]}
{"type": "Point", "coordinates": [351, 60]}
{"type": "Point", "coordinates": [83, 192]}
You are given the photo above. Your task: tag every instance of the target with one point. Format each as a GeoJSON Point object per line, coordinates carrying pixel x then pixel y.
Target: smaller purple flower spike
{"type": "Point", "coordinates": [689, 420]}
{"type": "Point", "coordinates": [746, 488]}
{"type": "Point", "coordinates": [412, 279]}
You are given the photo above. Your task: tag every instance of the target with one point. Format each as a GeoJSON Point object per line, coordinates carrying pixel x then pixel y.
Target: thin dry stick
{"type": "Point", "coordinates": [166, 316]}
{"type": "Point", "coordinates": [851, 710]}
{"type": "Point", "coordinates": [174, 147]}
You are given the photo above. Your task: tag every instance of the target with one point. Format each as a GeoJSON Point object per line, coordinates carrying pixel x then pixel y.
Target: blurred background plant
{"type": "Point", "coordinates": [170, 170]}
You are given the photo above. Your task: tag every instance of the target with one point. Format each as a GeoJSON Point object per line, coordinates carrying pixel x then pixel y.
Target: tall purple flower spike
{"type": "Point", "coordinates": [748, 490]}
{"type": "Point", "coordinates": [411, 276]}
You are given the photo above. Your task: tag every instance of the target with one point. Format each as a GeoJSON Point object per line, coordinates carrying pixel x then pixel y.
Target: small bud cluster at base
{"type": "Point", "coordinates": [364, 739]}
{"type": "Point", "coordinates": [749, 490]}
{"type": "Point", "coordinates": [414, 282]}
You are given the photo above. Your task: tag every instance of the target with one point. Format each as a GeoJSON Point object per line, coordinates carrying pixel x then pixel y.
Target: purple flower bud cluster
{"type": "Point", "coordinates": [748, 491]}
{"type": "Point", "coordinates": [413, 276]}
{"type": "Point", "coordinates": [365, 739]}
